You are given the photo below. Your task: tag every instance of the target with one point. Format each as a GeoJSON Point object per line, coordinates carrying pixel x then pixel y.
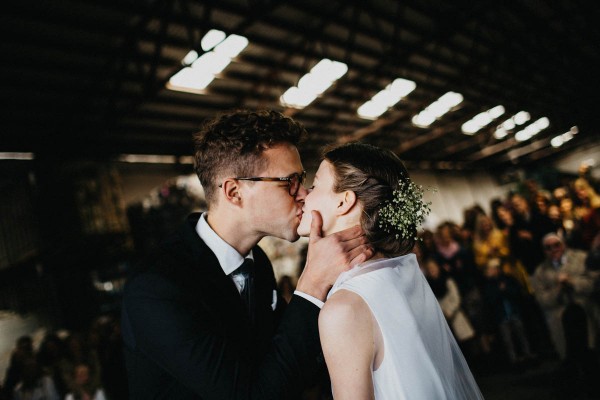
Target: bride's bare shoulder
{"type": "Point", "coordinates": [344, 310]}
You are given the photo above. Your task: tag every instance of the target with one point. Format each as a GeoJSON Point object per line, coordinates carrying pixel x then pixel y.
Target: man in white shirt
{"type": "Point", "coordinates": [193, 327]}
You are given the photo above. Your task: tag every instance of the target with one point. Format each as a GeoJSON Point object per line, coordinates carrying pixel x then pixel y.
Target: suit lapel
{"type": "Point", "coordinates": [217, 290]}
{"type": "Point", "coordinates": [264, 286]}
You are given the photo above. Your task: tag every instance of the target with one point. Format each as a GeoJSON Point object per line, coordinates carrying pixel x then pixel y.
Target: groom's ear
{"type": "Point", "coordinates": [347, 201]}
{"type": "Point", "coordinates": [231, 191]}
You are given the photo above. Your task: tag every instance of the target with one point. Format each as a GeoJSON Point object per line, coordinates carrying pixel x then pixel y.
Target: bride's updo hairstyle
{"type": "Point", "coordinates": [372, 174]}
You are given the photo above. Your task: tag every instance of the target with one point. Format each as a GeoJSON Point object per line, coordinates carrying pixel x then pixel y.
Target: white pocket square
{"type": "Point", "coordinates": [274, 304]}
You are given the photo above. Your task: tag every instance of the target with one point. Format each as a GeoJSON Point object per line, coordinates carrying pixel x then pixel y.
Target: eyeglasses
{"type": "Point", "coordinates": [552, 246]}
{"type": "Point", "coordinates": [293, 181]}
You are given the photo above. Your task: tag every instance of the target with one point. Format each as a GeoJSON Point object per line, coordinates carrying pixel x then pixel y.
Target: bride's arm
{"type": "Point", "coordinates": [346, 331]}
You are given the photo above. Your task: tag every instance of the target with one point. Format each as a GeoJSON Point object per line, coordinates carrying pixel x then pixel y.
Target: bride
{"type": "Point", "coordinates": [383, 333]}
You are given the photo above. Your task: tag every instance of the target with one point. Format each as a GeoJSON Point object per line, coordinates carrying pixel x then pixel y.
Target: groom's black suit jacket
{"type": "Point", "coordinates": [187, 334]}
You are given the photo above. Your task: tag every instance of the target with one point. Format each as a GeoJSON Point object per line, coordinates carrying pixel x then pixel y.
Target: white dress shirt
{"type": "Point", "coordinates": [230, 259]}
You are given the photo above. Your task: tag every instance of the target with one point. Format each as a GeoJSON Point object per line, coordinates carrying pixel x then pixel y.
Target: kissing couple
{"type": "Point", "coordinates": [202, 318]}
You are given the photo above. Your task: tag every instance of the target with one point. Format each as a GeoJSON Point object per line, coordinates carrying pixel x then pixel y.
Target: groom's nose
{"type": "Point", "coordinates": [301, 195]}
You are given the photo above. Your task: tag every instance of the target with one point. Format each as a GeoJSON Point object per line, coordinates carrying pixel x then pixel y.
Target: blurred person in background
{"type": "Point", "coordinates": [592, 264]}
{"type": "Point", "coordinates": [50, 355]}
{"type": "Point", "coordinates": [559, 281]}
{"type": "Point", "coordinates": [34, 384]}
{"type": "Point", "coordinates": [21, 354]}
{"type": "Point", "coordinates": [446, 292]}
{"type": "Point", "coordinates": [84, 388]}
{"type": "Point", "coordinates": [502, 296]}
{"type": "Point", "coordinates": [286, 288]}
{"type": "Point", "coordinates": [528, 229]}
{"type": "Point", "coordinates": [571, 223]}
{"type": "Point", "coordinates": [588, 210]}
{"type": "Point", "coordinates": [78, 351]}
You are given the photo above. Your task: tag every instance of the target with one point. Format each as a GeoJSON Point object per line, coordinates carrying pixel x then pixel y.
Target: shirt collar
{"type": "Point", "coordinates": [560, 262]}
{"type": "Point", "coordinates": [228, 257]}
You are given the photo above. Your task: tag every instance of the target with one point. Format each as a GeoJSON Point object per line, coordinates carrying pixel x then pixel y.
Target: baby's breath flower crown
{"type": "Point", "coordinates": [406, 211]}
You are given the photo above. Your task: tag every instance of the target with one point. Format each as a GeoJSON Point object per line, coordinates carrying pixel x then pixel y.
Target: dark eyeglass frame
{"type": "Point", "coordinates": [294, 181]}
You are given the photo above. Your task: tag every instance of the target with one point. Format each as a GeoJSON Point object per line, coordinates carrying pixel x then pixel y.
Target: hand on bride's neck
{"type": "Point", "coordinates": [341, 222]}
{"type": "Point", "coordinates": [345, 221]}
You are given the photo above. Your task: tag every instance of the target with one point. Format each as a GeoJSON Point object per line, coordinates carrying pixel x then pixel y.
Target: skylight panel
{"type": "Point", "coordinates": [211, 39]}
{"type": "Point", "coordinates": [559, 140]}
{"type": "Point", "coordinates": [482, 120]}
{"type": "Point", "coordinates": [532, 129]}
{"type": "Point", "coordinates": [314, 83]}
{"type": "Point", "coordinates": [518, 119]}
{"type": "Point", "coordinates": [437, 109]}
{"type": "Point", "coordinates": [386, 98]}
{"type": "Point", "coordinates": [200, 71]}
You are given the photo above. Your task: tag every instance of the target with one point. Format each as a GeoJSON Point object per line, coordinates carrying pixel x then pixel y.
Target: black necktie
{"type": "Point", "coordinates": [247, 293]}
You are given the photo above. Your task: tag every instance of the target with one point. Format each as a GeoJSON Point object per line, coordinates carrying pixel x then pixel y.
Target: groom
{"type": "Point", "coordinates": [195, 328]}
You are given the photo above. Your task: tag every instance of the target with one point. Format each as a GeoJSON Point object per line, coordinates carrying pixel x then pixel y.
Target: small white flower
{"type": "Point", "coordinates": [406, 211]}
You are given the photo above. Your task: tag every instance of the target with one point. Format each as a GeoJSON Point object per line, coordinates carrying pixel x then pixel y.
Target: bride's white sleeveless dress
{"type": "Point", "coordinates": [422, 360]}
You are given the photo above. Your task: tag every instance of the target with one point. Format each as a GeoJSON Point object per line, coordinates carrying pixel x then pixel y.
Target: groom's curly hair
{"type": "Point", "coordinates": [231, 144]}
{"type": "Point", "coordinates": [372, 174]}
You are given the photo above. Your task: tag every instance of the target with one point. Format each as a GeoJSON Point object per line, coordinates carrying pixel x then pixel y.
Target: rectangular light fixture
{"type": "Point", "coordinates": [314, 83]}
{"type": "Point", "coordinates": [559, 140]}
{"type": "Point", "coordinates": [518, 119]}
{"type": "Point", "coordinates": [481, 120]}
{"type": "Point", "coordinates": [436, 109]}
{"type": "Point", "coordinates": [199, 71]}
{"type": "Point", "coordinates": [16, 156]}
{"type": "Point", "coordinates": [155, 159]}
{"type": "Point", "coordinates": [532, 129]}
{"type": "Point", "coordinates": [386, 98]}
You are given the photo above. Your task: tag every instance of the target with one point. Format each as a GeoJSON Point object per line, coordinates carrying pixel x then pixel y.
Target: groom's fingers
{"type": "Point", "coordinates": [315, 226]}
{"type": "Point", "coordinates": [349, 234]}
{"type": "Point", "coordinates": [360, 254]}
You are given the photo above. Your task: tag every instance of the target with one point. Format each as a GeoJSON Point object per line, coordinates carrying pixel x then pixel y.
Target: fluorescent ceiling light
{"type": "Point", "coordinates": [436, 109]}
{"type": "Point", "coordinates": [211, 63]}
{"type": "Point", "coordinates": [518, 119]}
{"type": "Point", "coordinates": [297, 98]}
{"type": "Point", "coordinates": [532, 129]}
{"type": "Point", "coordinates": [314, 83]}
{"type": "Point", "coordinates": [481, 120]}
{"type": "Point", "coordinates": [232, 46]}
{"type": "Point", "coordinates": [190, 80]}
{"type": "Point", "coordinates": [211, 39]}
{"type": "Point", "coordinates": [559, 140]}
{"type": "Point", "coordinates": [542, 123]}
{"type": "Point", "coordinates": [386, 98]}
{"type": "Point", "coordinates": [423, 119]}
{"type": "Point", "coordinates": [16, 156]}
{"type": "Point", "coordinates": [509, 124]}
{"type": "Point", "coordinates": [500, 133]}
{"type": "Point", "coordinates": [219, 49]}
{"type": "Point", "coordinates": [189, 58]}
{"type": "Point", "coordinates": [521, 117]}
{"type": "Point", "coordinates": [496, 112]}
{"type": "Point", "coordinates": [155, 159]}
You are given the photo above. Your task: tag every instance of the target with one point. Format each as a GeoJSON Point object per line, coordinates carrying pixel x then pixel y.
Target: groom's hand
{"type": "Point", "coordinates": [329, 256]}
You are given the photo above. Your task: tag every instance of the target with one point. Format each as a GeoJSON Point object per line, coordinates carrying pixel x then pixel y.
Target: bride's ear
{"type": "Point", "coordinates": [346, 203]}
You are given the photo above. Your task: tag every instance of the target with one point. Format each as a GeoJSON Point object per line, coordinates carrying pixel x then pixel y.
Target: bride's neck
{"type": "Point", "coordinates": [343, 222]}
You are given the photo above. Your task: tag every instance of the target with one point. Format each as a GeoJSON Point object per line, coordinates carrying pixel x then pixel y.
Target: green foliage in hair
{"type": "Point", "coordinates": [406, 211]}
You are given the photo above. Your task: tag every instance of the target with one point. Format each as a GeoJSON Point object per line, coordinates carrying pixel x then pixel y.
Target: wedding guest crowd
{"type": "Point", "coordinates": [68, 365]}
{"type": "Point", "coordinates": [527, 275]}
